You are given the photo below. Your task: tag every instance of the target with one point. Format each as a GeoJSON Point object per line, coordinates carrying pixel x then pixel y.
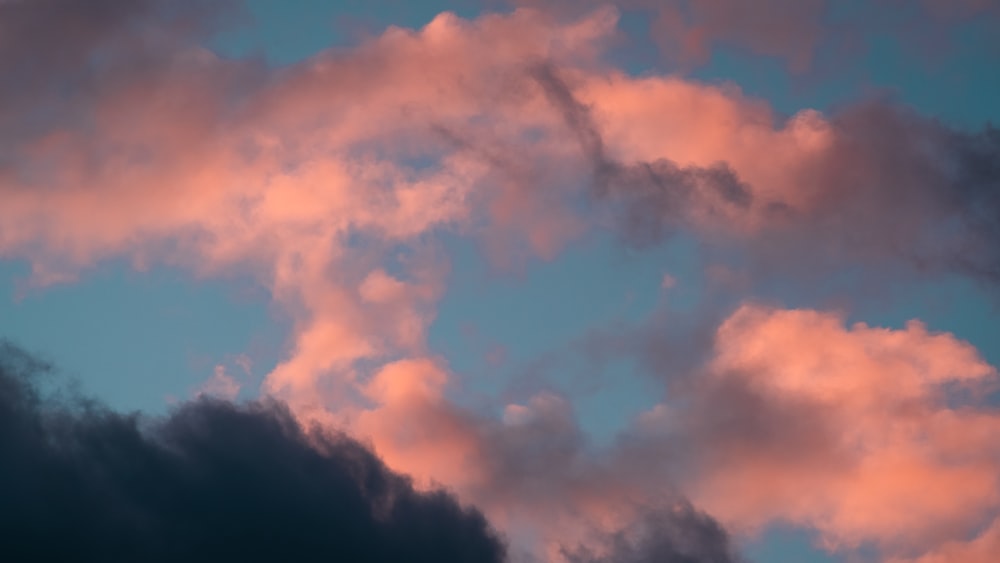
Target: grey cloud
{"type": "Point", "coordinates": [678, 534]}
{"type": "Point", "coordinates": [652, 199]}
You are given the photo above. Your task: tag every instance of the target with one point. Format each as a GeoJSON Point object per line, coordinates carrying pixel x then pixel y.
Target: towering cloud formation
{"type": "Point", "coordinates": [212, 481]}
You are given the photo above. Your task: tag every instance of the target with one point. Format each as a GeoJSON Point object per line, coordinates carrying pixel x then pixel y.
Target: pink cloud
{"type": "Point", "coordinates": [982, 549]}
{"type": "Point", "coordinates": [217, 165]}
{"type": "Point", "coordinates": [874, 185]}
{"type": "Point", "coordinates": [849, 430]}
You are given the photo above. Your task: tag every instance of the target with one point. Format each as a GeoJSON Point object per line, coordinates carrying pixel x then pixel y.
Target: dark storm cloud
{"type": "Point", "coordinates": [210, 482]}
{"type": "Point", "coordinates": [679, 534]}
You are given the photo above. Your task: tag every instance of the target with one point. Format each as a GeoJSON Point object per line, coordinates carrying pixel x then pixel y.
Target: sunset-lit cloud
{"type": "Point", "coordinates": [865, 434]}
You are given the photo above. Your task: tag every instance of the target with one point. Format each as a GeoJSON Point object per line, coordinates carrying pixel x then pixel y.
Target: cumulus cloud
{"type": "Point", "coordinates": [531, 470]}
{"type": "Point", "coordinates": [210, 481]}
{"type": "Point", "coordinates": [875, 188]}
{"type": "Point", "coordinates": [871, 436]}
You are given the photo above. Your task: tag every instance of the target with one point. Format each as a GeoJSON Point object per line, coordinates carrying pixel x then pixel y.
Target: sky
{"type": "Point", "coordinates": [501, 280]}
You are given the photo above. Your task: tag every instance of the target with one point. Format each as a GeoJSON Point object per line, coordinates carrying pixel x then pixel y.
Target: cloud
{"type": "Point", "coordinates": [221, 385]}
{"type": "Point", "coordinates": [63, 38]}
{"type": "Point", "coordinates": [314, 178]}
{"type": "Point", "coordinates": [679, 534]}
{"type": "Point", "coordinates": [876, 438]}
{"type": "Point", "coordinates": [533, 472]}
{"type": "Point", "coordinates": [212, 480]}
{"type": "Point", "coordinates": [871, 436]}
{"type": "Point", "coordinates": [874, 189]}
{"type": "Point", "coordinates": [895, 185]}
{"type": "Point", "coordinates": [656, 197]}
{"type": "Point", "coordinates": [982, 549]}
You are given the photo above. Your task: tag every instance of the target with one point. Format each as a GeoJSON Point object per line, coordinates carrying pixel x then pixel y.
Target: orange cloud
{"type": "Point", "coordinates": [530, 472]}
{"type": "Point", "coordinates": [982, 549]}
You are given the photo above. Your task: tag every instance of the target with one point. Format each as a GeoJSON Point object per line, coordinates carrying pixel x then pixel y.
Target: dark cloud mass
{"type": "Point", "coordinates": [212, 481]}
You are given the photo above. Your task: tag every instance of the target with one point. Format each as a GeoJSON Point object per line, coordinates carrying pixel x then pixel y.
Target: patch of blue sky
{"type": "Point", "coordinates": [960, 306]}
{"type": "Point", "coordinates": [958, 84]}
{"type": "Point", "coordinates": [784, 544]}
{"type": "Point", "coordinates": [140, 340]}
{"type": "Point", "coordinates": [286, 32]}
